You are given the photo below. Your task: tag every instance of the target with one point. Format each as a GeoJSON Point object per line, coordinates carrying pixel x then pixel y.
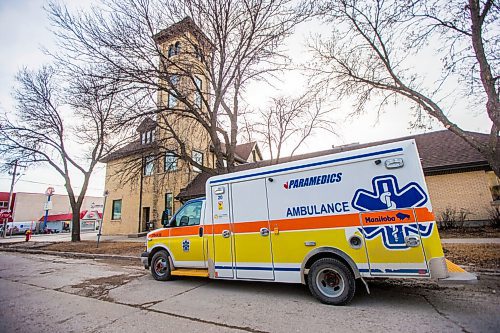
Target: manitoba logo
{"type": "Point", "coordinates": [314, 180]}
{"type": "Point", "coordinates": [393, 236]}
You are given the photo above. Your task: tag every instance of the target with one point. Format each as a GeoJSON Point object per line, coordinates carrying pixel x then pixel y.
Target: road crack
{"type": "Point", "coordinates": [442, 314]}
{"type": "Point", "coordinates": [143, 307]}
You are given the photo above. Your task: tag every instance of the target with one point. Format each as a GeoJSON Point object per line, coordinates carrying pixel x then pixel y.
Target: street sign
{"type": "Point", "coordinates": [49, 191]}
{"type": "Point", "coordinates": [5, 214]}
{"type": "Point", "coordinates": [47, 205]}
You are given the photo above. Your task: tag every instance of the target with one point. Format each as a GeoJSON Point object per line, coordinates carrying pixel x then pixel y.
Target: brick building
{"type": "Point", "coordinates": [457, 176]}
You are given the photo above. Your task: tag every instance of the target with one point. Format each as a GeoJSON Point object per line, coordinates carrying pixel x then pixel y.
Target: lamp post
{"type": "Point", "coordinates": [6, 221]}
{"type": "Point", "coordinates": [102, 218]}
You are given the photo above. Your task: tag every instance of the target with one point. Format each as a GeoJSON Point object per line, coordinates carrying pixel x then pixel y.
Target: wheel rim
{"type": "Point", "coordinates": [330, 283]}
{"type": "Point", "coordinates": [160, 266]}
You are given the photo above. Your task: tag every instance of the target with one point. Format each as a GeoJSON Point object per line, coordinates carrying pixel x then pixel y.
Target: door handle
{"type": "Point", "coordinates": [226, 233]}
{"type": "Point", "coordinates": [264, 232]}
{"type": "Point", "coordinates": [412, 241]}
{"type": "Point", "coordinates": [200, 232]}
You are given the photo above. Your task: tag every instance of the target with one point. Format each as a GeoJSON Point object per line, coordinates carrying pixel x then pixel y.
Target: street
{"type": "Point", "coordinates": [41, 293]}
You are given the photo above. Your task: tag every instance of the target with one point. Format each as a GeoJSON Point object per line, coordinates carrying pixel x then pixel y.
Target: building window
{"type": "Point", "coordinates": [147, 137]}
{"type": "Point", "coordinates": [149, 165]}
{"type": "Point", "coordinates": [169, 204]}
{"type": "Point", "coordinates": [197, 93]}
{"type": "Point", "coordinates": [170, 162]}
{"type": "Point", "coordinates": [177, 48]}
{"type": "Point", "coordinates": [170, 50]}
{"type": "Point", "coordinates": [116, 214]}
{"type": "Point", "coordinates": [172, 99]}
{"type": "Point", "coordinates": [198, 158]}
{"type": "Point", "coordinates": [197, 52]}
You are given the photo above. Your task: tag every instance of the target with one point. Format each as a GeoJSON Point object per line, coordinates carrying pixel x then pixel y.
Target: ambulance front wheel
{"type": "Point", "coordinates": [160, 266]}
{"type": "Point", "coordinates": [331, 281]}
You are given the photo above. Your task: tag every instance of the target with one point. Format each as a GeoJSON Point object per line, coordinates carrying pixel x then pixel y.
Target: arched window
{"type": "Point", "coordinates": [170, 50]}
{"type": "Point", "coordinates": [177, 48]}
{"type": "Point", "coordinates": [197, 53]}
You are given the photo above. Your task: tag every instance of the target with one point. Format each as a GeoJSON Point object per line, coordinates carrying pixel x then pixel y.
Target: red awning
{"type": "Point", "coordinates": [62, 217]}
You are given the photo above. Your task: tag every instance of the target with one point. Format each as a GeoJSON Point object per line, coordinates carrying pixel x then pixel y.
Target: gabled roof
{"type": "Point", "coordinates": [147, 124]}
{"type": "Point", "coordinates": [440, 151]}
{"type": "Point", "coordinates": [133, 148]}
{"type": "Point", "coordinates": [242, 151]}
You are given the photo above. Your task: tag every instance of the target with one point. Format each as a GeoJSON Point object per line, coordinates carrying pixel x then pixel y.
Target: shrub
{"type": "Point", "coordinates": [452, 218]}
{"type": "Point", "coordinates": [495, 217]}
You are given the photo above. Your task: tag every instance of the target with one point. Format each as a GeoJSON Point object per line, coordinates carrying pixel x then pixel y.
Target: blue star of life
{"type": "Point", "coordinates": [386, 194]}
{"type": "Point", "coordinates": [185, 245]}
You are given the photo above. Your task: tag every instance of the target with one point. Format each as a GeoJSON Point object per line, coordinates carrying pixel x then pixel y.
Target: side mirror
{"type": "Point", "coordinates": [184, 220]}
{"type": "Point", "coordinates": [165, 218]}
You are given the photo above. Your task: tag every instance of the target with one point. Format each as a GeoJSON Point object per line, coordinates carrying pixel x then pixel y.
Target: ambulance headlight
{"type": "Point", "coordinates": [355, 242]}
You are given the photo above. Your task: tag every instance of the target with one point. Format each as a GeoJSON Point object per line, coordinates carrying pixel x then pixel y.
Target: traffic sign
{"type": "Point", "coordinates": [49, 191]}
{"type": "Point", "coordinates": [5, 214]}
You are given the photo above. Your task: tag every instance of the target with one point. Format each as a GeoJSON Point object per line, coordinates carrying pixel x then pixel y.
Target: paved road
{"type": "Point", "coordinates": [40, 293]}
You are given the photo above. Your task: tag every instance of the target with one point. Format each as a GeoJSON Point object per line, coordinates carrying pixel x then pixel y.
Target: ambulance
{"type": "Point", "coordinates": [324, 222]}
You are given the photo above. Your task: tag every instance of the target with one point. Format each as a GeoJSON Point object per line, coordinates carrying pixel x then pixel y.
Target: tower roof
{"type": "Point", "coordinates": [179, 28]}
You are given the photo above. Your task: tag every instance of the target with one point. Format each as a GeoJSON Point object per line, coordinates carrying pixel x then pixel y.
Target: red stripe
{"type": "Point", "coordinates": [305, 223]}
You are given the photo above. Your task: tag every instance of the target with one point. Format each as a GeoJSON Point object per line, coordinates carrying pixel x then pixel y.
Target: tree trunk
{"type": "Point", "coordinates": [75, 222]}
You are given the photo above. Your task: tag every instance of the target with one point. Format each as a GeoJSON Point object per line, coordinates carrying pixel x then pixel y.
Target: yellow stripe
{"type": "Point", "coordinates": [190, 272]}
{"type": "Point", "coordinates": [453, 267]}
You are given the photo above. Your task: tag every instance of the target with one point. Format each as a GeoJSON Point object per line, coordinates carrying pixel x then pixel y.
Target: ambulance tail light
{"type": "Point", "coordinates": [394, 163]}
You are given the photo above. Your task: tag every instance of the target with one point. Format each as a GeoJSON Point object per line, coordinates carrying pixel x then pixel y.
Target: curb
{"type": "Point", "coordinates": [72, 254]}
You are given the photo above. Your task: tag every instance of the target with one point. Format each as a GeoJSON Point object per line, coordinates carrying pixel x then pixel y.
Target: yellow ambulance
{"type": "Point", "coordinates": [323, 222]}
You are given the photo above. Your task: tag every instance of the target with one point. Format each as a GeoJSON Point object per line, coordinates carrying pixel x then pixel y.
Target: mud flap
{"type": "Point", "coordinates": [457, 275]}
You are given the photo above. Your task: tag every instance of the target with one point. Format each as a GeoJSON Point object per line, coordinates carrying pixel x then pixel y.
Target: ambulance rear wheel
{"type": "Point", "coordinates": [160, 266]}
{"type": "Point", "coordinates": [331, 281]}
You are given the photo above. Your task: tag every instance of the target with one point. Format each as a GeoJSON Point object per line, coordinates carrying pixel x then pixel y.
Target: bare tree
{"type": "Point", "coordinates": [228, 43]}
{"type": "Point", "coordinates": [53, 117]}
{"type": "Point", "coordinates": [288, 122]}
{"type": "Point", "coordinates": [374, 42]}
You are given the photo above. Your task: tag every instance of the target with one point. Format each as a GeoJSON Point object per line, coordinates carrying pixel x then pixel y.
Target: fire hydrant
{"type": "Point", "coordinates": [28, 235]}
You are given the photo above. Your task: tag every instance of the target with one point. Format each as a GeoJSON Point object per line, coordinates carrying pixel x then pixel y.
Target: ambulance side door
{"type": "Point", "coordinates": [186, 236]}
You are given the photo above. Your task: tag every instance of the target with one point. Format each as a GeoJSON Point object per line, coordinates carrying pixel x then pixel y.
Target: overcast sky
{"type": "Point", "coordinates": [24, 28]}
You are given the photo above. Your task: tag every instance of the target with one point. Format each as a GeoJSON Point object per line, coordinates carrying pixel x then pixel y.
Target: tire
{"type": "Point", "coordinates": [160, 266]}
{"type": "Point", "coordinates": [331, 281]}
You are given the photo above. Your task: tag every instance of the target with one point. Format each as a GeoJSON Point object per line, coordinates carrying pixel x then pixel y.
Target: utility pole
{"type": "Point", "coordinates": [10, 200]}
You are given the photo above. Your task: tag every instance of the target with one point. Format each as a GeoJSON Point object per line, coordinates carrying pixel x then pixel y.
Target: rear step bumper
{"type": "Point", "coordinates": [457, 275]}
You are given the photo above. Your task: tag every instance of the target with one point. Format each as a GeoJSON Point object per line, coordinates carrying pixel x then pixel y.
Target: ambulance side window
{"type": "Point", "coordinates": [188, 215]}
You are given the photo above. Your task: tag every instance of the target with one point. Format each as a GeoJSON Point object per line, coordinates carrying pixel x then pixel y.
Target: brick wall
{"type": "Point", "coordinates": [464, 190]}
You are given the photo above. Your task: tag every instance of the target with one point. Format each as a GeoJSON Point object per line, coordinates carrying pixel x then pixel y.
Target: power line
{"type": "Point", "coordinates": [51, 184]}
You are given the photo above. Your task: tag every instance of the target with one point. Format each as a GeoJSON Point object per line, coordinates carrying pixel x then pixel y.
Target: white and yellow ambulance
{"type": "Point", "coordinates": [323, 221]}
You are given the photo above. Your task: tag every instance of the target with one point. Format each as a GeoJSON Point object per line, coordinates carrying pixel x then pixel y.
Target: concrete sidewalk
{"type": "Point", "coordinates": [66, 237]}
{"type": "Point", "coordinates": [470, 241]}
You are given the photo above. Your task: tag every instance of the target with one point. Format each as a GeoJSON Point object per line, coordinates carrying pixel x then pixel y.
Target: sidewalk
{"type": "Point", "coordinates": [66, 237]}
{"type": "Point", "coordinates": [470, 241]}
